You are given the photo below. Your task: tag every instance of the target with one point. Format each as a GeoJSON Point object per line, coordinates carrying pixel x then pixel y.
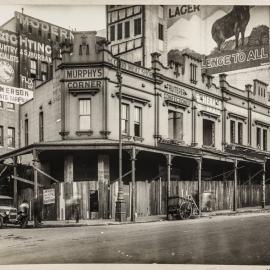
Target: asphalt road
{"type": "Point", "coordinates": [243, 239]}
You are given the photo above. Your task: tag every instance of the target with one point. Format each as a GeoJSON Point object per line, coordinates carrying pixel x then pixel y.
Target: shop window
{"type": "Point", "coordinates": [175, 124]}
{"type": "Point", "coordinates": [160, 32]}
{"type": "Point", "coordinates": [112, 32]}
{"type": "Point", "coordinates": [240, 133]}
{"type": "Point", "coordinates": [264, 139]}
{"type": "Point", "coordinates": [33, 68]}
{"type": "Point", "coordinates": [208, 132]}
{"type": "Point", "coordinates": [26, 130]}
{"type": "Point", "coordinates": [138, 122]}
{"type": "Point", "coordinates": [85, 114]}
{"type": "Point", "coordinates": [119, 31]}
{"type": "Point", "coordinates": [44, 71]}
{"type": "Point", "coordinates": [137, 26]}
{"type": "Point", "coordinates": [125, 119]}
{"type": "Point", "coordinates": [193, 73]}
{"type": "Point", "coordinates": [232, 129]}
{"type": "Point", "coordinates": [10, 106]}
{"type": "Point", "coordinates": [1, 136]}
{"type": "Point", "coordinates": [41, 127]}
{"type": "Point", "coordinates": [127, 29]}
{"type": "Point", "coordinates": [11, 137]}
{"type": "Point", "coordinates": [258, 137]}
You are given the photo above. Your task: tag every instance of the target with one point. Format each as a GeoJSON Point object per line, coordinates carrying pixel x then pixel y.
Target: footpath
{"type": "Point", "coordinates": [156, 218]}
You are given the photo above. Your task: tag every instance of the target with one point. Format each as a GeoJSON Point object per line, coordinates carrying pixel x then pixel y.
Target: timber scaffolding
{"type": "Point", "coordinates": [149, 197]}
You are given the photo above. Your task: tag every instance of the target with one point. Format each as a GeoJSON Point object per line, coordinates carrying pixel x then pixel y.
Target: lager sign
{"type": "Point", "coordinates": [49, 196]}
{"type": "Point", "coordinates": [227, 38]}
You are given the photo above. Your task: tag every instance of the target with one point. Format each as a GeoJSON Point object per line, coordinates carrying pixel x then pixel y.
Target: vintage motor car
{"type": "Point", "coordinates": [9, 214]}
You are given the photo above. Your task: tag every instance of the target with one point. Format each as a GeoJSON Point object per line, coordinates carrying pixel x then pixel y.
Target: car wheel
{"type": "Point", "coordinates": [1, 222]}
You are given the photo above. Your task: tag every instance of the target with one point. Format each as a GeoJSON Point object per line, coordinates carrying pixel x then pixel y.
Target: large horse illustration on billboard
{"type": "Point", "coordinates": [232, 24]}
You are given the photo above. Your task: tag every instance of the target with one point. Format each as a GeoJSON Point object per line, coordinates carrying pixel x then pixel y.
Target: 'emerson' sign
{"type": "Point", "coordinates": [14, 95]}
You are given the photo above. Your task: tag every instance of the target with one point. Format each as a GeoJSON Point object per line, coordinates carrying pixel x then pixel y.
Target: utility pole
{"type": "Point", "coordinates": [120, 213]}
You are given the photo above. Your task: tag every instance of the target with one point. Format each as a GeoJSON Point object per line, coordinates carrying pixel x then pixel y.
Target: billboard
{"type": "Point", "coordinates": [226, 38]}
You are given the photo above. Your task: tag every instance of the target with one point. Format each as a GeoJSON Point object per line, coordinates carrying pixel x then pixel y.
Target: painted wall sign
{"type": "Point", "coordinates": [206, 100]}
{"type": "Point", "coordinates": [9, 60]}
{"type": "Point", "coordinates": [174, 89]}
{"type": "Point", "coordinates": [87, 84]}
{"type": "Point", "coordinates": [83, 73]}
{"type": "Point", "coordinates": [49, 196]}
{"type": "Point", "coordinates": [176, 99]}
{"type": "Point", "coordinates": [234, 37]}
{"type": "Point", "coordinates": [57, 33]}
{"type": "Point", "coordinates": [130, 67]}
{"type": "Point", "coordinates": [14, 94]}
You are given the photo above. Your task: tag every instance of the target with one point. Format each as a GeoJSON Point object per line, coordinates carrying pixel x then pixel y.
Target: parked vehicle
{"type": "Point", "coordinates": [10, 215]}
{"type": "Point", "coordinates": [181, 208]}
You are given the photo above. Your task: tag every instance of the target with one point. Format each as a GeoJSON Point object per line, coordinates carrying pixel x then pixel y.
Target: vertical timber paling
{"type": "Point", "coordinates": [35, 173]}
{"type": "Point", "coordinates": [235, 186]}
{"type": "Point", "coordinates": [263, 186]}
{"type": "Point", "coordinates": [199, 161]}
{"type": "Point", "coordinates": [15, 184]}
{"type": "Point", "coordinates": [169, 160]}
{"type": "Point", "coordinates": [133, 168]}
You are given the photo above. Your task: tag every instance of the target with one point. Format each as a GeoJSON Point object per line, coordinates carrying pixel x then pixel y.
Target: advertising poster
{"type": "Point", "coordinates": [226, 38]}
{"type": "Point", "coordinates": [9, 58]}
{"type": "Point", "coordinates": [49, 196]}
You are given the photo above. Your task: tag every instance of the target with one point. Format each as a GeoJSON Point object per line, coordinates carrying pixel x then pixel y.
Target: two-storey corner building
{"type": "Point", "coordinates": [182, 135]}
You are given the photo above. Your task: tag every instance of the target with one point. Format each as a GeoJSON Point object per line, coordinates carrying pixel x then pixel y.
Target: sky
{"type": "Point", "coordinates": [81, 18]}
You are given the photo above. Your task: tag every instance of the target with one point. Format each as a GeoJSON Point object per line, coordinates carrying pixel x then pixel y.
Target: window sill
{"type": "Point", "coordinates": [209, 146]}
{"type": "Point", "coordinates": [84, 132]}
{"type": "Point", "coordinates": [137, 138]}
{"type": "Point", "coordinates": [125, 136]}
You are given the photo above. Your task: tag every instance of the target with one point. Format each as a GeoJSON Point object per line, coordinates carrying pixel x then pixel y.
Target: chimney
{"type": "Point", "coordinates": [222, 80]}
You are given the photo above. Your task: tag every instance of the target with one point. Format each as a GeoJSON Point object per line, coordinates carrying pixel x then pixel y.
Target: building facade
{"type": "Point", "coordinates": [27, 49]}
{"type": "Point", "coordinates": [182, 135]}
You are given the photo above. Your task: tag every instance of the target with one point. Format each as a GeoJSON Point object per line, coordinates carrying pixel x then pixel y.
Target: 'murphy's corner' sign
{"type": "Point", "coordinates": [14, 95]}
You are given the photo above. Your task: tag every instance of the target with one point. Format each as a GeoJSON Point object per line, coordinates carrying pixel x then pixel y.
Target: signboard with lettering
{"type": "Point", "coordinates": [207, 103]}
{"type": "Point", "coordinates": [176, 90]}
{"type": "Point", "coordinates": [14, 94]}
{"type": "Point", "coordinates": [9, 59]}
{"type": "Point", "coordinates": [83, 73]}
{"type": "Point", "coordinates": [233, 38]}
{"type": "Point", "coordinates": [83, 78]}
{"type": "Point", "coordinates": [49, 196]}
{"type": "Point", "coordinates": [177, 100]}
{"type": "Point", "coordinates": [130, 67]}
{"type": "Point", "coordinates": [38, 42]}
